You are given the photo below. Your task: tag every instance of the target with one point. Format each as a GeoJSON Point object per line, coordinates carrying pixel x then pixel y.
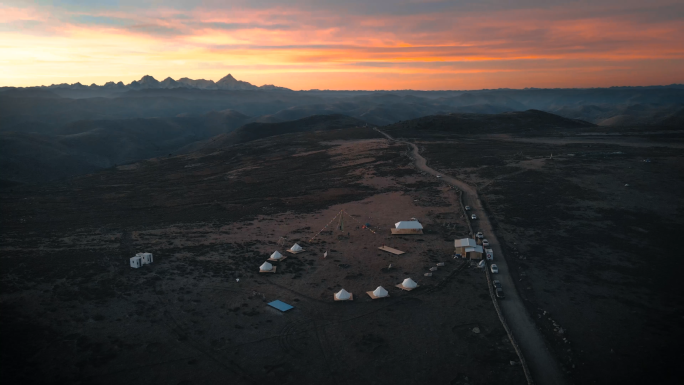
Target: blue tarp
{"type": "Point", "coordinates": [280, 305]}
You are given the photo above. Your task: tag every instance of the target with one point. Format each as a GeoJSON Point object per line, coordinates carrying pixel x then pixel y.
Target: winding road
{"type": "Point", "coordinates": [542, 365]}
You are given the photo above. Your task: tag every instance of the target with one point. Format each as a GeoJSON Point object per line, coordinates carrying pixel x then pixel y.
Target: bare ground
{"type": "Point", "coordinates": [589, 239]}
{"type": "Point", "coordinates": [73, 311]}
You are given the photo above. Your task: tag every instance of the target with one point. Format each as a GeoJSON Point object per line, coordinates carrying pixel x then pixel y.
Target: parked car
{"type": "Point", "coordinates": [500, 293]}
{"type": "Point", "coordinates": [458, 256]}
{"type": "Point", "coordinates": [467, 208]}
{"type": "Point", "coordinates": [479, 235]}
{"type": "Point", "coordinates": [439, 176]}
{"type": "Point", "coordinates": [494, 268]}
{"type": "Point", "coordinates": [485, 242]}
{"type": "Point", "coordinates": [490, 254]}
{"type": "Point", "coordinates": [497, 284]}
{"type": "Point", "coordinates": [473, 216]}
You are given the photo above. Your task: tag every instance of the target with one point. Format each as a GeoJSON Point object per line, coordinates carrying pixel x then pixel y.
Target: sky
{"type": "Point", "coordinates": [346, 44]}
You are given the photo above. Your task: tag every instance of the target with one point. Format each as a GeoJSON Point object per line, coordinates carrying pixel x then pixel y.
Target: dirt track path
{"type": "Point", "coordinates": [542, 365]}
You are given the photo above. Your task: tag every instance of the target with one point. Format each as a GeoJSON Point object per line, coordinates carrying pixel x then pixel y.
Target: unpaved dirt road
{"type": "Point", "coordinates": [542, 365]}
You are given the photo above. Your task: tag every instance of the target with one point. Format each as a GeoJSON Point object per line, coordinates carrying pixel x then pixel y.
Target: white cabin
{"type": "Point", "coordinates": [136, 262]}
{"type": "Point", "coordinates": [146, 258]}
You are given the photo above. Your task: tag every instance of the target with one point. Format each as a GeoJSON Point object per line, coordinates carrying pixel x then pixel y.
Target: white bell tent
{"type": "Point", "coordinates": [380, 292]}
{"type": "Point", "coordinates": [343, 295]}
{"type": "Point", "coordinates": [409, 284]}
{"type": "Point", "coordinates": [276, 256]}
{"type": "Point", "coordinates": [408, 225]}
{"type": "Point", "coordinates": [266, 267]}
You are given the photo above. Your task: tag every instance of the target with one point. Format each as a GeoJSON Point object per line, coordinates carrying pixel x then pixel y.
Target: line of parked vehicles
{"type": "Point", "coordinates": [498, 289]}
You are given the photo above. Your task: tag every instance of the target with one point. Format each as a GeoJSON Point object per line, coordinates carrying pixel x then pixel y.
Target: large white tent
{"type": "Point", "coordinates": [343, 295]}
{"type": "Point", "coordinates": [408, 225]}
{"type": "Point", "coordinates": [296, 247]}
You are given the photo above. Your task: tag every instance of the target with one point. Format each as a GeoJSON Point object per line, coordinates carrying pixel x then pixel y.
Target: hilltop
{"type": "Point", "coordinates": [518, 122]}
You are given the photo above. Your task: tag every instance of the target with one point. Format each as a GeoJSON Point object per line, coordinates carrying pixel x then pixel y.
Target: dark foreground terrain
{"type": "Point", "coordinates": [73, 311]}
{"type": "Point", "coordinates": [590, 227]}
{"type": "Point", "coordinates": [588, 218]}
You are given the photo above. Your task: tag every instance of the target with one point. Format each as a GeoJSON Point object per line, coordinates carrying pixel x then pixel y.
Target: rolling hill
{"type": "Point", "coordinates": [256, 130]}
{"type": "Point", "coordinates": [88, 145]}
{"type": "Point", "coordinates": [468, 124]}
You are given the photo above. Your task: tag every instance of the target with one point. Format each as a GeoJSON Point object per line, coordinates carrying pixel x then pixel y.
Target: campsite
{"type": "Point", "coordinates": [202, 310]}
{"type": "Point", "coordinates": [341, 192]}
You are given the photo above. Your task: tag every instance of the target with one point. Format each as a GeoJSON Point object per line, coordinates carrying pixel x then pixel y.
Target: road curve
{"type": "Point", "coordinates": [542, 365]}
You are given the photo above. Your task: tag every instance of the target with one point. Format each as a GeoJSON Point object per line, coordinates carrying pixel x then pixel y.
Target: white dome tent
{"type": "Point", "coordinates": [276, 256]}
{"type": "Point", "coordinates": [295, 249]}
{"type": "Point", "coordinates": [408, 284]}
{"type": "Point", "coordinates": [267, 268]}
{"type": "Point", "coordinates": [343, 295]}
{"type": "Point", "coordinates": [380, 292]}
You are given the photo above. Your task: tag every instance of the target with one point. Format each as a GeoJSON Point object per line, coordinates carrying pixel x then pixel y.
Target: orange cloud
{"type": "Point", "coordinates": [558, 46]}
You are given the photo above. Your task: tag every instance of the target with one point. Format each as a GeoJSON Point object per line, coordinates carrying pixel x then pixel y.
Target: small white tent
{"type": "Point", "coordinates": [342, 295]}
{"type": "Point", "coordinates": [380, 292]}
{"type": "Point", "coordinates": [276, 256]}
{"type": "Point", "coordinates": [409, 284]}
{"type": "Point", "coordinates": [296, 247]}
{"type": "Point", "coordinates": [266, 267]}
{"type": "Point", "coordinates": [408, 225]}
{"type": "Point", "coordinates": [136, 262]}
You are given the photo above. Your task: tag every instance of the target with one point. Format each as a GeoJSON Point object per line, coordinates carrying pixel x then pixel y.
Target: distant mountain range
{"type": "Point", "coordinates": [228, 82]}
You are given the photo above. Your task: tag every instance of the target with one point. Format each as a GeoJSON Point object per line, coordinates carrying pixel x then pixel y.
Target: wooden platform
{"type": "Point", "coordinates": [270, 271]}
{"type": "Point", "coordinates": [351, 298]}
{"type": "Point", "coordinates": [370, 294]}
{"type": "Point", "coordinates": [295, 252]}
{"type": "Point", "coordinates": [406, 231]}
{"type": "Point", "coordinates": [276, 260]}
{"type": "Point", "coordinates": [391, 250]}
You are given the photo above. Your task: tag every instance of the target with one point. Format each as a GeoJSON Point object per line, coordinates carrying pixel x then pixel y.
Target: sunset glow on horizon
{"type": "Point", "coordinates": [430, 45]}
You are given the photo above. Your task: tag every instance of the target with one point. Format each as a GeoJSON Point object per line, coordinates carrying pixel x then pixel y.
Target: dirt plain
{"type": "Point", "coordinates": [73, 311]}
{"type": "Point", "coordinates": [590, 230]}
